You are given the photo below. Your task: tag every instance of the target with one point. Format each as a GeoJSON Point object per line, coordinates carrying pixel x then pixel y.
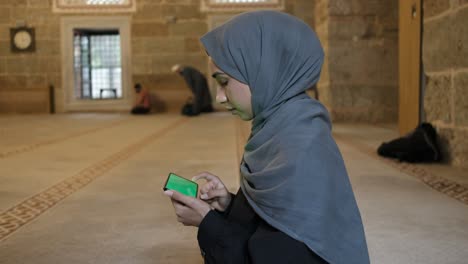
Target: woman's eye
{"type": "Point", "coordinates": [222, 81]}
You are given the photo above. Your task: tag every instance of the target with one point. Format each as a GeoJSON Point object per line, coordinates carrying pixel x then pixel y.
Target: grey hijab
{"type": "Point", "coordinates": [292, 172]}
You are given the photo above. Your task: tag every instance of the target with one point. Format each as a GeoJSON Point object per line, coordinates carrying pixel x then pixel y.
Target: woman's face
{"type": "Point", "coordinates": [234, 95]}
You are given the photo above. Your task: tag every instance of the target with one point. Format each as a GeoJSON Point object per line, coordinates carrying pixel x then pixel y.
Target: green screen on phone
{"type": "Point", "coordinates": [182, 185]}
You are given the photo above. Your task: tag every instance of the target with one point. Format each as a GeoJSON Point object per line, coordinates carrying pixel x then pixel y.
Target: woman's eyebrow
{"type": "Point", "coordinates": [214, 75]}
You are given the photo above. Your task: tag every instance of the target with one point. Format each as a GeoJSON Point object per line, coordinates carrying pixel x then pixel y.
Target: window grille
{"type": "Point", "coordinates": [241, 5]}
{"type": "Point", "coordinates": [73, 6]}
{"type": "Point", "coordinates": [105, 2]}
{"type": "Point", "coordinates": [97, 65]}
{"type": "Point", "coordinates": [240, 1]}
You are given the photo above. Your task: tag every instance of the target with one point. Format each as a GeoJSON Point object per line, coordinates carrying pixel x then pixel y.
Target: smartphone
{"type": "Point", "coordinates": [180, 184]}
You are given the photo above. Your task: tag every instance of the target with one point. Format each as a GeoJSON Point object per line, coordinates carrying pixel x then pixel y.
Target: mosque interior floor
{"type": "Point", "coordinates": [87, 188]}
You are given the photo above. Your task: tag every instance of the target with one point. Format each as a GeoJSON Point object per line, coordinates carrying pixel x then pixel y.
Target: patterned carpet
{"type": "Point", "coordinates": [86, 188]}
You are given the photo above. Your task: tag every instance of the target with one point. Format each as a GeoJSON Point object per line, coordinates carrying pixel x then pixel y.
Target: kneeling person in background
{"type": "Point", "coordinates": [201, 100]}
{"type": "Point", "coordinates": [142, 103]}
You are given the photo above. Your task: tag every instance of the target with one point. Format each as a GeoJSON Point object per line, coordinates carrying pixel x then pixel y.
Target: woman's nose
{"type": "Point", "coordinates": [221, 96]}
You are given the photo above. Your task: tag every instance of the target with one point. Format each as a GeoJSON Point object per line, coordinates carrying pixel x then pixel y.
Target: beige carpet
{"type": "Point", "coordinates": [86, 188]}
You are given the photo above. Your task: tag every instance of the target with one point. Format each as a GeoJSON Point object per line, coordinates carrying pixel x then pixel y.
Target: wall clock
{"type": "Point", "coordinates": [22, 39]}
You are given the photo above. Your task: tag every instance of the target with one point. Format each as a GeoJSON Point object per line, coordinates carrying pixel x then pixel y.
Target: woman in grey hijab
{"type": "Point", "coordinates": [295, 204]}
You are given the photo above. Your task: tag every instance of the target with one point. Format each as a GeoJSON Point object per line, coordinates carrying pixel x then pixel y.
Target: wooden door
{"type": "Point", "coordinates": [409, 64]}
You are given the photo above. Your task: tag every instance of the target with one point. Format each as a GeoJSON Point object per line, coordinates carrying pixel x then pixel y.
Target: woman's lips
{"type": "Point", "coordinates": [232, 110]}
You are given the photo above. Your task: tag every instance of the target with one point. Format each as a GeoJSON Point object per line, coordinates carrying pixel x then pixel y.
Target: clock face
{"type": "Point", "coordinates": [22, 39]}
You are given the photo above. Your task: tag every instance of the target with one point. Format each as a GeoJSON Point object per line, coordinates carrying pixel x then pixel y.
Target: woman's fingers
{"type": "Point", "coordinates": [205, 175]}
{"type": "Point", "coordinates": [189, 210]}
{"type": "Point", "coordinates": [213, 194]}
{"type": "Point", "coordinates": [183, 199]}
{"type": "Point", "coordinates": [207, 187]}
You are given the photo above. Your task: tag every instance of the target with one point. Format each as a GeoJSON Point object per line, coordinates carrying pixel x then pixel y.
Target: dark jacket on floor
{"type": "Point", "coordinates": [239, 236]}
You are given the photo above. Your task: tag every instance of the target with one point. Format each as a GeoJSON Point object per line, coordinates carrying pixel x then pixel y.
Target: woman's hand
{"type": "Point", "coordinates": [214, 192]}
{"type": "Point", "coordinates": [190, 211]}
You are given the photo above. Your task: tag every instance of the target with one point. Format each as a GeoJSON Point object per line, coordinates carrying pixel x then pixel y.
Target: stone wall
{"type": "Point", "coordinates": [157, 44]}
{"type": "Point", "coordinates": [445, 60]}
{"type": "Point", "coordinates": [25, 78]}
{"type": "Point", "coordinates": [360, 37]}
{"type": "Point", "coordinates": [303, 9]}
{"type": "Point", "coordinates": [163, 32]}
{"type": "Point", "coordinates": [322, 16]}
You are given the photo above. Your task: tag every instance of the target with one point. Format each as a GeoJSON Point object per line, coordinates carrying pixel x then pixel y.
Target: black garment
{"type": "Point", "coordinates": [140, 110]}
{"type": "Point", "coordinates": [189, 110]}
{"type": "Point", "coordinates": [418, 146]}
{"type": "Point", "coordinates": [201, 94]}
{"type": "Point", "coordinates": [240, 236]}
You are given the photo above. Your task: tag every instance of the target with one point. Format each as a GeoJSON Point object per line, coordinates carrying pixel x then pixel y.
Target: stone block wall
{"type": "Point", "coordinates": [303, 9]}
{"type": "Point", "coordinates": [163, 33]}
{"type": "Point", "coordinates": [360, 79]}
{"type": "Point", "coordinates": [157, 44]}
{"type": "Point", "coordinates": [25, 77]}
{"type": "Point", "coordinates": [322, 17]}
{"type": "Point", "coordinates": [445, 60]}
